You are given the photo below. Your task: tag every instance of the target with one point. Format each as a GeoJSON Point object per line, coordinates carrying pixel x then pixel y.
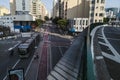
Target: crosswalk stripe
{"type": "Point", "coordinates": [67, 70]}
{"type": "Point", "coordinates": [66, 75]}
{"type": "Point", "coordinates": [58, 76]}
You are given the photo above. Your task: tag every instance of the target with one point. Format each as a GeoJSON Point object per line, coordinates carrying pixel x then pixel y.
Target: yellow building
{"type": "Point", "coordinates": [3, 11]}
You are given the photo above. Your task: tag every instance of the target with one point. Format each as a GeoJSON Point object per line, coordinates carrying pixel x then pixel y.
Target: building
{"type": "Point", "coordinates": [3, 11]}
{"type": "Point", "coordinates": [38, 9]}
{"type": "Point", "coordinates": [20, 18]}
{"type": "Point", "coordinates": [20, 7]}
{"type": "Point", "coordinates": [91, 10]}
{"type": "Point", "coordinates": [16, 22]}
{"type": "Point", "coordinates": [111, 12]}
{"type": "Point", "coordinates": [55, 12]}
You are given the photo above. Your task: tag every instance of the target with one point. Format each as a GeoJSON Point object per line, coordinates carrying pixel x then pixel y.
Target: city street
{"type": "Point", "coordinates": [107, 53]}
{"type": "Point", "coordinates": [54, 47]}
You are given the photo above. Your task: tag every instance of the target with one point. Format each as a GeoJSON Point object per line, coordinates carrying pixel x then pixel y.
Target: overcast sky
{"type": "Point", "coordinates": [49, 3]}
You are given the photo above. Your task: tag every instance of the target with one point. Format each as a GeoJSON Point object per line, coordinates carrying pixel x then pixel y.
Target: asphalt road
{"type": "Point", "coordinates": [54, 47]}
{"type": "Point", "coordinates": [7, 61]}
{"type": "Point", "coordinates": [109, 53]}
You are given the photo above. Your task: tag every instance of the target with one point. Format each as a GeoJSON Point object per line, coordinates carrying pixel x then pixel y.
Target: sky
{"type": "Point", "coordinates": [49, 3]}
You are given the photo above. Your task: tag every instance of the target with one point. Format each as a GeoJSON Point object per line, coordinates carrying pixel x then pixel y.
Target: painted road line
{"type": "Point", "coordinates": [66, 75]}
{"type": "Point", "coordinates": [102, 43]}
{"type": "Point", "coordinates": [12, 68]}
{"type": "Point", "coordinates": [68, 65]}
{"type": "Point", "coordinates": [67, 70]}
{"type": "Point", "coordinates": [116, 56]}
{"type": "Point", "coordinates": [51, 78]}
{"type": "Point", "coordinates": [57, 75]}
{"type": "Point", "coordinates": [111, 57]}
{"type": "Point", "coordinates": [100, 37]}
{"type": "Point", "coordinates": [60, 51]}
{"type": "Point", "coordinates": [99, 57]}
{"type": "Point", "coordinates": [29, 65]}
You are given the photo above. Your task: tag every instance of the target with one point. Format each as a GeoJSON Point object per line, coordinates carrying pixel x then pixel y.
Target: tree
{"type": "Point", "coordinates": [39, 22]}
{"type": "Point", "coordinates": [46, 18]}
{"type": "Point", "coordinates": [62, 23]}
{"type": "Point", "coordinates": [106, 20]}
{"type": "Point", "coordinates": [55, 20]}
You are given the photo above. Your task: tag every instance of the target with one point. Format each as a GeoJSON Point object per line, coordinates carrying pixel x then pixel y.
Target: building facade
{"type": "Point", "coordinates": [38, 9]}
{"type": "Point", "coordinates": [3, 11]}
{"type": "Point", "coordinates": [93, 10]}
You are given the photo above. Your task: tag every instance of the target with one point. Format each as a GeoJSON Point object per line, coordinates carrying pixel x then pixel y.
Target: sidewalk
{"type": "Point", "coordinates": [34, 65]}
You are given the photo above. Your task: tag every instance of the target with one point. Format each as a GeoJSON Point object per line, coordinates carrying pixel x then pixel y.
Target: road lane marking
{"type": "Point", "coordinates": [102, 43]}
{"type": "Point", "coordinates": [100, 37]}
{"type": "Point", "coordinates": [60, 51]}
{"type": "Point", "coordinates": [29, 65]}
{"type": "Point", "coordinates": [116, 56]}
{"type": "Point", "coordinates": [111, 57]}
{"type": "Point", "coordinates": [66, 75]}
{"type": "Point", "coordinates": [68, 70]}
{"type": "Point", "coordinates": [51, 78]}
{"type": "Point", "coordinates": [57, 75]}
{"type": "Point", "coordinates": [99, 57]}
{"type": "Point", "coordinates": [12, 68]}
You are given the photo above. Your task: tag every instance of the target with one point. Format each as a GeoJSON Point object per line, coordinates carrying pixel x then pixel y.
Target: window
{"type": "Point", "coordinates": [101, 14]}
{"type": "Point", "coordinates": [95, 20]}
{"type": "Point", "coordinates": [93, 2]}
{"type": "Point", "coordinates": [102, 1]}
{"type": "Point", "coordinates": [83, 22]}
{"type": "Point", "coordinates": [86, 22]}
{"type": "Point", "coordinates": [96, 14]}
{"type": "Point", "coordinates": [80, 22]}
{"type": "Point", "coordinates": [100, 20]}
{"type": "Point", "coordinates": [92, 14]}
{"type": "Point", "coordinates": [74, 22]}
{"type": "Point", "coordinates": [97, 1]}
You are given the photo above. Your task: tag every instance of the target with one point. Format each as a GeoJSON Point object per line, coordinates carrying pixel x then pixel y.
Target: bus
{"type": "Point", "coordinates": [27, 48]}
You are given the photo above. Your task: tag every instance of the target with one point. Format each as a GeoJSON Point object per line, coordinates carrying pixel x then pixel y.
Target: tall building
{"type": "Point", "coordinates": [38, 9]}
{"type": "Point", "coordinates": [81, 13]}
{"type": "Point", "coordinates": [92, 9]}
{"type": "Point", "coordinates": [111, 12]}
{"type": "Point", "coordinates": [97, 11]}
{"type": "Point", "coordinates": [19, 7]}
{"type": "Point", "coordinates": [12, 7]}
{"type": "Point", "coordinates": [3, 11]}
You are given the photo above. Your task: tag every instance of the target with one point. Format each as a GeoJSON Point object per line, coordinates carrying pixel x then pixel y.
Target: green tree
{"type": "Point", "coordinates": [46, 18]}
{"type": "Point", "coordinates": [55, 20]}
{"type": "Point", "coordinates": [106, 20]}
{"type": "Point", "coordinates": [38, 22]}
{"type": "Point", "coordinates": [62, 23]}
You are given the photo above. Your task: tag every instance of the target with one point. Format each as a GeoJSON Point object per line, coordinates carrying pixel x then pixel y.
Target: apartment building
{"type": "Point", "coordinates": [87, 11]}
{"type": "Point", "coordinates": [3, 11]}
{"type": "Point", "coordinates": [97, 11]}
{"type": "Point", "coordinates": [38, 9]}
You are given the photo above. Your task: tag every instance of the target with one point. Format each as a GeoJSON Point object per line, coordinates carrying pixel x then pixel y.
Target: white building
{"type": "Point", "coordinates": [10, 21]}
{"type": "Point", "coordinates": [78, 24]}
